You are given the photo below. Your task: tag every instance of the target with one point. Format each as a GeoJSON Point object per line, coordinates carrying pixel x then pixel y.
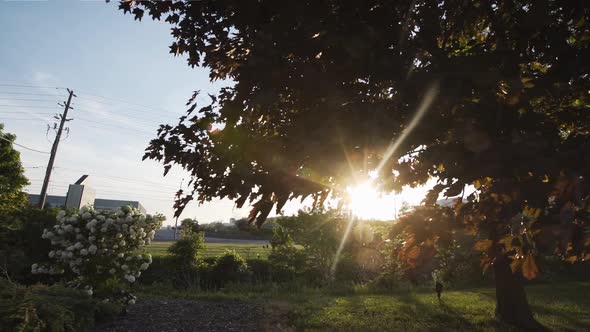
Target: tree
{"type": "Point", "coordinates": [190, 225]}
{"type": "Point", "coordinates": [12, 177]}
{"type": "Point", "coordinates": [489, 94]}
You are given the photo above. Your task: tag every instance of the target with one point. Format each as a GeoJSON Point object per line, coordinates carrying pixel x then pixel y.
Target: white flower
{"type": "Point", "coordinates": [122, 243]}
{"type": "Point", "coordinates": [121, 255]}
{"type": "Point", "coordinates": [83, 252]}
{"type": "Point", "coordinates": [77, 230]}
{"type": "Point", "coordinates": [129, 219]}
{"type": "Point", "coordinates": [129, 258]}
{"type": "Point", "coordinates": [92, 230]}
{"type": "Point", "coordinates": [92, 249]}
{"type": "Point", "coordinates": [124, 267]}
{"type": "Point", "coordinates": [103, 229]}
{"type": "Point", "coordinates": [91, 238]}
{"type": "Point", "coordinates": [61, 214]}
{"type": "Point", "coordinates": [89, 292]}
{"type": "Point", "coordinates": [144, 266]}
{"type": "Point", "coordinates": [51, 254]}
{"type": "Point", "coordinates": [131, 302]}
{"type": "Point", "coordinates": [78, 245]}
{"type": "Point", "coordinates": [115, 247]}
{"type": "Point", "coordinates": [130, 278]}
{"type": "Point", "coordinates": [86, 216]}
{"type": "Point", "coordinates": [112, 271]}
{"type": "Point", "coordinates": [119, 235]}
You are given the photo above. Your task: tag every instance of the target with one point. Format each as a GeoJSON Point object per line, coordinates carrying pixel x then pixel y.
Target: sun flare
{"type": "Point", "coordinates": [366, 202]}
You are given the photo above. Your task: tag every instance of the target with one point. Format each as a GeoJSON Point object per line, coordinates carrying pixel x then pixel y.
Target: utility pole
{"type": "Point", "coordinates": [64, 119]}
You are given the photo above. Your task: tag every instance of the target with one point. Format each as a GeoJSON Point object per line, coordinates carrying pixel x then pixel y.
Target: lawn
{"type": "Point", "coordinates": [558, 306]}
{"type": "Point", "coordinates": [248, 251]}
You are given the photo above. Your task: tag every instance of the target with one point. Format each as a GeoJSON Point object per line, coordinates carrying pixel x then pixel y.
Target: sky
{"type": "Point", "coordinates": [126, 83]}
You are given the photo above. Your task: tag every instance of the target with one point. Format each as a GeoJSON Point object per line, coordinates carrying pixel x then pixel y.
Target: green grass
{"type": "Point", "coordinates": [558, 306]}
{"type": "Point", "coordinates": [248, 251]}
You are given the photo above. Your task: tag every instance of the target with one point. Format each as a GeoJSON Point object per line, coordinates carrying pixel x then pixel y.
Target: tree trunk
{"type": "Point", "coordinates": [512, 306]}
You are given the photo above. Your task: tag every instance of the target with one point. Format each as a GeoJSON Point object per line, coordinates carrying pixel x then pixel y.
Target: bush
{"type": "Point", "coordinates": [99, 249]}
{"type": "Point", "coordinates": [261, 270]}
{"type": "Point", "coordinates": [49, 308]}
{"type": "Point", "coordinates": [161, 270]}
{"type": "Point", "coordinates": [229, 267]}
{"type": "Point", "coordinates": [21, 244]}
{"type": "Point", "coordinates": [186, 250]}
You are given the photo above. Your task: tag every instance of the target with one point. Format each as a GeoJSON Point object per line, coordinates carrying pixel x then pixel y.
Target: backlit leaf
{"type": "Point", "coordinates": [529, 267]}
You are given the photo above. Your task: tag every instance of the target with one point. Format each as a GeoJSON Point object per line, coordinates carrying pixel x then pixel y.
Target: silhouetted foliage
{"type": "Point", "coordinates": [323, 87]}
{"type": "Point", "coordinates": [12, 176]}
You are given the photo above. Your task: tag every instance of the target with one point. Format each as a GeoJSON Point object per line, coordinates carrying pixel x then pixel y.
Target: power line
{"type": "Point", "coordinates": [12, 112]}
{"type": "Point", "coordinates": [120, 114]}
{"type": "Point", "coordinates": [22, 146]}
{"type": "Point", "coordinates": [31, 86]}
{"type": "Point", "coordinates": [109, 125]}
{"type": "Point", "coordinates": [27, 99]}
{"type": "Point", "coordinates": [30, 94]}
{"type": "Point", "coordinates": [115, 177]}
{"type": "Point", "coordinates": [27, 119]}
{"type": "Point", "coordinates": [28, 106]}
{"type": "Point", "coordinates": [121, 101]}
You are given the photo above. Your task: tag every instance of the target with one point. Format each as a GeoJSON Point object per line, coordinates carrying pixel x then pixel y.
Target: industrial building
{"type": "Point", "coordinates": [82, 194]}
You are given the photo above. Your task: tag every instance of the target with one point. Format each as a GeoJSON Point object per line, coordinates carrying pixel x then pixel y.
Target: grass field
{"type": "Point", "coordinates": [248, 251]}
{"type": "Point", "coordinates": [558, 306]}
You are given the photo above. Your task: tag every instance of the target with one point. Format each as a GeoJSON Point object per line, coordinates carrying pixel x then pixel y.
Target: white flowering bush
{"type": "Point", "coordinates": [100, 250]}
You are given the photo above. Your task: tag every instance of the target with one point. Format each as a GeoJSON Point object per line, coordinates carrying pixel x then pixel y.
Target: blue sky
{"type": "Point", "coordinates": [90, 46]}
{"type": "Point", "coordinates": [126, 82]}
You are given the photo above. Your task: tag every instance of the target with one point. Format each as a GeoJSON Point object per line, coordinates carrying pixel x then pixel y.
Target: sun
{"type": "Point", "coordinates": [367, 203]}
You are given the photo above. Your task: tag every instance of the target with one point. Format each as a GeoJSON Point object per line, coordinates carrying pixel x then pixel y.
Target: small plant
{"type": "Point", "coordinates": [99, 249]}
{"type": "Point", "coordinates": [49, 308]}
{"type": "Point", "coordinates": [184, 257]}
{"type": "Point", "coordinates": [229, 267]}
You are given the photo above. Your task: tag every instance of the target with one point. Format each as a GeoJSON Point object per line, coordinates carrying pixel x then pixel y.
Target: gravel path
{"type": "Point", "coordinates": [193, 315]}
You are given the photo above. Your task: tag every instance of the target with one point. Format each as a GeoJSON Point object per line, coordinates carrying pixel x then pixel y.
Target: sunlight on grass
{"type": "Point", "coordinates": [248, 251]}
{"type": "Point", "coordinates": [562, 308]}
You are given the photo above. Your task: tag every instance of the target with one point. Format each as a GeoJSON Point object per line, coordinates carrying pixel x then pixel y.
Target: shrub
{"type": "Point", "coordinates": [99, 249]}
{"type": "Point", "coordinates": [261, 270]}
{"type": "Point", "coordinates": [20, 243]}
{"type": "Point", "coordinates": [49, 308]}
{"type": "Point", "coordinates": [229, 267]}
{"type": "Point", "coordinates": [186, 250]}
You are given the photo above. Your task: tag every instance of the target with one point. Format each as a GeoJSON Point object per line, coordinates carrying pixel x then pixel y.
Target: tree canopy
{"type": "Point", "coordinates": [489, 94]}
{"type": "Point", "coordinates": [12, 178]}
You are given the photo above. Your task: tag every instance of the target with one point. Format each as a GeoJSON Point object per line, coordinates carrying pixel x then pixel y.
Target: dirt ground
{"type": "Point", "coordinates": [164, 315]}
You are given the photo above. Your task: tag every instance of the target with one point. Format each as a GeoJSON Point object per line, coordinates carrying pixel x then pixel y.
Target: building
{"type": "Point", "coordinates": [82, 194]}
